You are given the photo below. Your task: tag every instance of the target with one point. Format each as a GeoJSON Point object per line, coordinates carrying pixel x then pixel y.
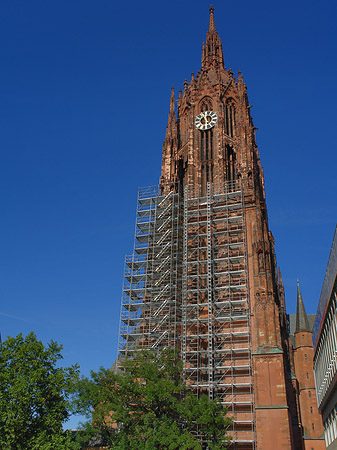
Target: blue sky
{"type": "Point", "coordinates": [85, 88]}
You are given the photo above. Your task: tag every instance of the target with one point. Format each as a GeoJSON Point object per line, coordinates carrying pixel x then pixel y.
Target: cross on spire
{"type": "Point", "coordinates": [211, 26]}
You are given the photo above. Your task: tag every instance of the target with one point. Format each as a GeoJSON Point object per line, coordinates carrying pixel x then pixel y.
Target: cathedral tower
{"type": "Point", "coordinates": [203, 277]}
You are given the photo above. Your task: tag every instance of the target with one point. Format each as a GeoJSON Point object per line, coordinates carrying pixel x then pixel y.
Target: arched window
{"type": "Point", "coordinates": [230, 118]}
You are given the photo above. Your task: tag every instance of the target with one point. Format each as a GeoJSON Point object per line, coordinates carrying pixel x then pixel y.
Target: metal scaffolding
{"type": "Point", "coordinates": [186, 287]}
{"type": "Point", "coordinates": [150, 313]}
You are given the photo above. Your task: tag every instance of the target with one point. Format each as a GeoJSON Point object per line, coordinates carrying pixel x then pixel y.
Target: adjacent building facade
{"type": "Point", "coordinates": [325, 350]}
{"type": "Point", "coordinates": [203, 277]}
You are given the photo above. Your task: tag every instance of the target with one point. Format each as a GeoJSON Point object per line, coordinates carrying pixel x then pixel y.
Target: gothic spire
{"type": "Point", "coordinates": [211, 27]}
{"type": "Point", "coordinates": [212, 49]}
{"type": "Point", "coordinates": [302, 322]}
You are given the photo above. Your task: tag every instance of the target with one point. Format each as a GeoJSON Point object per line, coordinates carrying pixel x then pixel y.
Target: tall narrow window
{"type": "Point", "coordinates": [206, 145]}
{"type": "Point", "coordinates": [202, 146]}
{"type": "Point", "coordinates": [230, 118]}
{"type": "Point", "coordinates": [230, 163]}
{"type": "Point", "coordinates": [231, 121]}
{"type": "Point", "coordinates": [211, 143]}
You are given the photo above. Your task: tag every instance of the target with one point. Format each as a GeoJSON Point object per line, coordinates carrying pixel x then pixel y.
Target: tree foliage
{"type": "Point", "coordinates": [34, 395]}
{"type": "Point", "coordinates": [148, 407]}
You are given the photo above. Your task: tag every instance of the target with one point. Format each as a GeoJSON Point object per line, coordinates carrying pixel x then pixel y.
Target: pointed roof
{"type": "Point", "coordinates": [302, 322]}
{"type": "Point", "coordinates": [212, 49]}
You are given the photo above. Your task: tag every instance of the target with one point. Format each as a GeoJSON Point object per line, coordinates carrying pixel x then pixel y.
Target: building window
{"type": "Point", "coordinates": [206, 145]}
{"type": "Point", "coordinates": [230, 118]}
{"type": "Point", "coordinates": [309, 394]}
{"type": "Point", "coordinates": [230, 158]}
{"type": "Point", "coordinates": [305, 356]}
{"type": "Point", "coordinates": [311, 409]}
{"type": "Point", "coordinates": [313, 426]}
{"type": "Point", "coordinates": [307, 376]}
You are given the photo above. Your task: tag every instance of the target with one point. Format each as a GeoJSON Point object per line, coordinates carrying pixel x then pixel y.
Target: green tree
{"type": "Point", "coordinates": [148, 407]}
{"type": "Point", "coordinates": [34, 395]}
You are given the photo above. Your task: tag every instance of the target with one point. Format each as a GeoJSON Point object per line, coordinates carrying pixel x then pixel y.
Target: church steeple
{"type": "Point", "coordinates": [212, 50]}
{"type": "Point", "coordinates": [302, 322]}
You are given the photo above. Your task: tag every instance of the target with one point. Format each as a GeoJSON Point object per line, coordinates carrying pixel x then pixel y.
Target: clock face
{"type": "Point", "coordinates": [206, 120]}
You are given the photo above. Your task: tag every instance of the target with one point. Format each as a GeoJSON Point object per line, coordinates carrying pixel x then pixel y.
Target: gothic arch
{"type": "Point", "coordinates": [205, 104]}
{"type": "Point", "coordinates": [230, 101]}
